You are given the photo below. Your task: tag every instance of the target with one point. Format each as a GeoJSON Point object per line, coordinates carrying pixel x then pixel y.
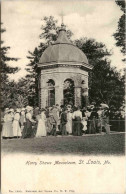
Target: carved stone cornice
{"type": "Point", "coordinates": [84, 66]}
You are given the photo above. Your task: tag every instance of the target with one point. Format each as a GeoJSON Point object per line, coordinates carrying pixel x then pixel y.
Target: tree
{"type": "Point", "coordinates": [6, 69]}
{"type": "Point", "coordinates": [95, 51]}
{"type": "Point", "coordinates": [106, 85]}
{"type": "Point", "coordinates": [120, 32]}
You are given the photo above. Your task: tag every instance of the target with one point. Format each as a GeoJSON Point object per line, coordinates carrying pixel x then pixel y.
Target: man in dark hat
{"type": "Point", "coordinates": [64, 121]}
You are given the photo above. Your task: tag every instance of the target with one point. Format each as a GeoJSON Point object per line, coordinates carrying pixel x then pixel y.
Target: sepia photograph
{"type": "Point", "coordinates": [63, 96]}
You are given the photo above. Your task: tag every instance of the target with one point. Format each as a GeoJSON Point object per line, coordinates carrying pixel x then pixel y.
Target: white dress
{"type": "Point", "coordinates": [69, 122]}
{"type": "Point", "coordinates": [7, 130]}
{"type": "Point", "coordinates": [41, 128]}
{"type": "Point", "coordinates": [16, 126]}
{"type": "Point", "coordinates": [84, 122]}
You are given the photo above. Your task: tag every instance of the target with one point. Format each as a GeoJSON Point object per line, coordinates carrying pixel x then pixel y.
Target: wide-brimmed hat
{"type": "Point", "coordinates": [29, 108]}
{"type": "Point", "coordinates": [23, 109]}
{"type": "Point", "coordinates": [11, 110]}
{"type": "Point", "coordinates": [6, 110]}
{"type": "Point", "coordinates": [18, 110]}
{"type": "Point", "coordinates": [104, 105]}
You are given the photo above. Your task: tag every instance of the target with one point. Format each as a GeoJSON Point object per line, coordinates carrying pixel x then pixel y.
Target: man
{"type": "Point", "coordinates": [52, 124]}
{"type": "Point", "coordinates": [64, 121]}
{"type": "Point", "coordinates": [55, 113]}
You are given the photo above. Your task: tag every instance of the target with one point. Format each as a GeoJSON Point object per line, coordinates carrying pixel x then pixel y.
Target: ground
{"type": "Point", "coordinates": [107, 144]}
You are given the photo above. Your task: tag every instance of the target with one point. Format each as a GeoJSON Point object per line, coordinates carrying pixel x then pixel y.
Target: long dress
{"type": "Point", "coordinates": [105, 121]}
{"type": "Point", "coordinates": [28, 130]}
{"type": "Point", "coordinates": [41, 129]}
{"type": "Point", "coordinates": [16, 126]}
{"type": "Point", "coordinates": [77, 116]}
{"type": "Point", "coordinates": [22, 120]}
{"type": "Point", "coordinates": [7, 126]}
{"type": "Point", "coordinates": [84, 122]}
{"type": "Point", "coordinates": [88, 114]}
{"type": "Point", "coordinates": [69, 123]}
{"type": "Point", "coordinates": [93, 122]}
{"type": "Point", "coordinates": [99, 123]}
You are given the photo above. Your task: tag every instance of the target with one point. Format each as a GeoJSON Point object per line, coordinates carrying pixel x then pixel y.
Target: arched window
{"type": "Point", "coordinates": [68, 92]}
{"type": "Point", "coordinates": [51, 92]}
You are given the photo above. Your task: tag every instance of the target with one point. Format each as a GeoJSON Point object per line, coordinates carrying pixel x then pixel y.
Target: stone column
{"type": "Point", "coordinates": [77, 93]}
{"type": "Point", "coordinates": [44, 97]}
{"type": "Point", "coordinates": [59, 95]}
{"type": "Point", "coordinates": [85, 91]}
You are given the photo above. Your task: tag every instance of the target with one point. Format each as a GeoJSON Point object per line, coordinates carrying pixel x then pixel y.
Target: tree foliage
{"type": "Point", "coordinates": [6, 69]}
{"type": "Point", "coordinates": [105, 83]}
{"type": "Point", "coordinates": [120, 32]}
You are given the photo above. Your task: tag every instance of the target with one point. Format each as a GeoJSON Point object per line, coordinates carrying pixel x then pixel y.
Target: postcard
{"type": "Point", "coordinates": [62, 97]}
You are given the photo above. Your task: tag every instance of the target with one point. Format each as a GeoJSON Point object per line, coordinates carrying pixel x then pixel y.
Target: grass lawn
{"type": "Point", "coordinates": [113, 144]}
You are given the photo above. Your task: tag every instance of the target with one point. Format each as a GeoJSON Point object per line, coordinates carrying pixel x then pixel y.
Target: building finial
{"type": "Point", "coordinates": [62, 17]}
{"type": "Point", "coordinates": [62, 14]}
{"type": "Point", "coordinates": [63, 27]}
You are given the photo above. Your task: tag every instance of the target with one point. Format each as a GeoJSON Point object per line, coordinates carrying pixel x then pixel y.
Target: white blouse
{"type": "Point", "coordinates": [17, 117]}
{"type": "Point", "coordinates": [29, 117]}
{"type": "Point", "coordinates": [77, 113]}
{"type": "Point", "coordinates": [43, 116]}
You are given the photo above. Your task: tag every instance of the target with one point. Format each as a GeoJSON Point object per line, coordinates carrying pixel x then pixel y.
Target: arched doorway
{"type": "Point", "coordinates": [51, 92]}
{"type": "Point", "coordinates": [68, 92]}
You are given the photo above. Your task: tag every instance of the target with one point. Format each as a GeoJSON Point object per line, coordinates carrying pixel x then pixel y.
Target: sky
{"type": "Point", "coordinates": [22, 19]}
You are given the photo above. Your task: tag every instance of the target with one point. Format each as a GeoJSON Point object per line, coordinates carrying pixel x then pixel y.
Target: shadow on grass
{"type": "Point", "coordinates": [113, 144]}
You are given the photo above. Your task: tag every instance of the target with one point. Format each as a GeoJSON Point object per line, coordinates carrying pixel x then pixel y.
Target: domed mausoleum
{"type": "Point", "coordinates": [63, 74]}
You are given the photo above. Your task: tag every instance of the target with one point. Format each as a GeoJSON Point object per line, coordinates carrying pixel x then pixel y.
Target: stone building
{"type": "Point", "coordinates": [63, 73]}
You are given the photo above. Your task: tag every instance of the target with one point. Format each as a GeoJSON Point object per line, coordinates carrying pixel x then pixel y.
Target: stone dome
{"type": "Point", "coordinates": [62, 50]}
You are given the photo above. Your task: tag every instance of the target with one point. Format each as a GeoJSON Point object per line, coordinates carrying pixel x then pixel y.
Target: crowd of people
{"type": "Point", "coordinates": [52, 121]}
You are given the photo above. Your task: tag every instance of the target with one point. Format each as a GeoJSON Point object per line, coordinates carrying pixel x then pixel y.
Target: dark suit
{"type": "Point", "coordinates": [63, 123]}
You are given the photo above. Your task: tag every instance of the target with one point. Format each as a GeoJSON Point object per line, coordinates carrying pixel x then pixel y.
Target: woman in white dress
{"type": "Point", "coordinates": [69, 122]}
{"type": "Point", "coordinates": [84, 119]}
{"type": "Point", "coordinates": [7, 131]}
{"type": "Point", "coordinates": [16, 126]}
{"type": "Point", "coordinates": [41, 128]}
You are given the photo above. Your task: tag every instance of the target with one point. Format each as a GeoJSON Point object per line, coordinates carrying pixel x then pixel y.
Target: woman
{"type": "Point", "coordinates": [41, 129]}
{"type": "Point", "coordinates": [99, 123]}
{"type": "Point", "coordinates": [105, 120]}
{"type": "Point", "coordinates": [28, 130]}
{"type": "Point", "coordinates": [7, 131]}
{"type": "Point", "coordinates": [84, 120]}
{"type": "Point", "coordinates": [16, 126]}
{"type": "Point", "coordinates": [22, 118]}
{"type": "Point", "coordinates": [93, 121]}
{"type": "Point", "coordinates": [77, 116]}
{"type": "Point", "coordinates": [69, 121]}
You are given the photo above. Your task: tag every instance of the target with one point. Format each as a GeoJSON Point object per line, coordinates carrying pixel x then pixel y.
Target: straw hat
{"type": "Point", "coordinates": [23, 109]}
{"type": "Point", "coordinates": [6, 110]}
{"type": "Point", "coordinates": [29, 108]}
{"type": "Point", "coordinates": [18, 110]}
{"type": "Point", "coordinates": [11, 110]}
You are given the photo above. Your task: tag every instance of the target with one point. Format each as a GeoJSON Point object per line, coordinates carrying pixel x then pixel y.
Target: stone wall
{"type": "Point", "coordinates": [59, 75]}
